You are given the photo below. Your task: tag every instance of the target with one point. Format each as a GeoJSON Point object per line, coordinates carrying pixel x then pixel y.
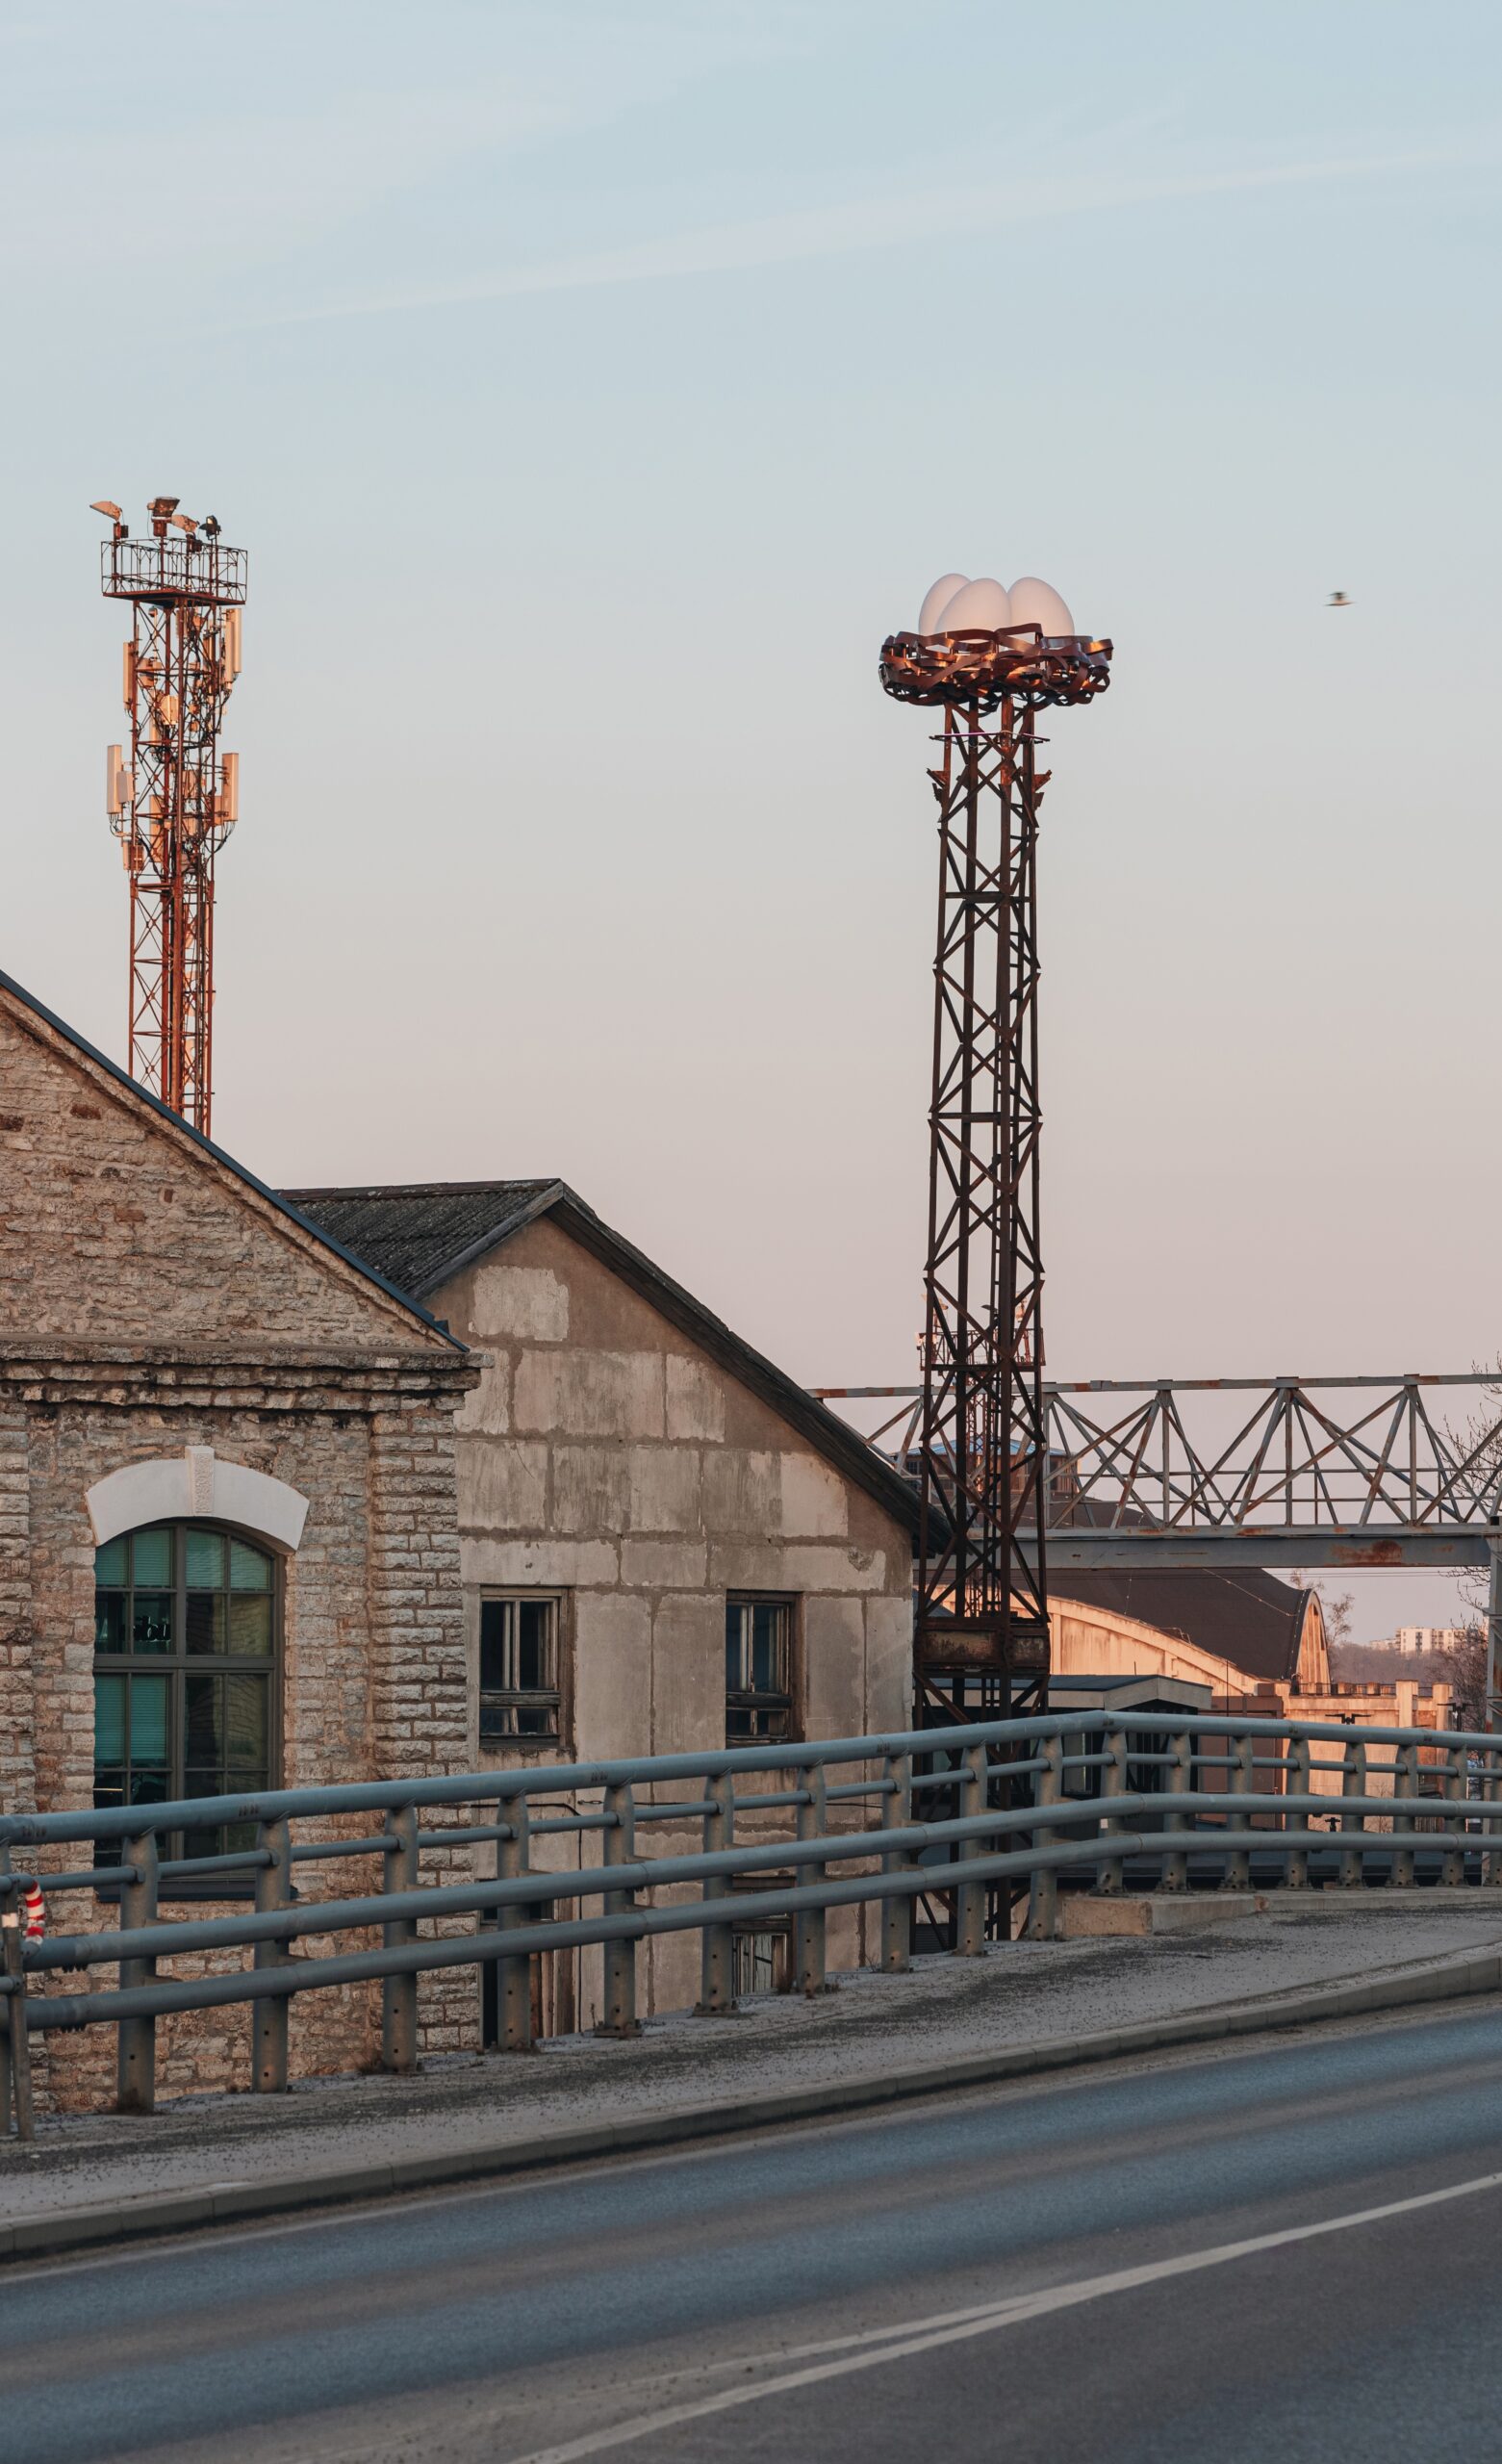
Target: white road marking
{"type": "Point", "coordinates": [922, 2335]}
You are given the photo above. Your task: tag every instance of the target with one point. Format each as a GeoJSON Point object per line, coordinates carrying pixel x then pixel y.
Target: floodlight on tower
{"type": "Point", "coordinates": [989, 658]}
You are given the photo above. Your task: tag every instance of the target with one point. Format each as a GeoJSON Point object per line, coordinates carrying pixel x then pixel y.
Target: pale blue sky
{"type": "Point", "coordinates": [593, 387]}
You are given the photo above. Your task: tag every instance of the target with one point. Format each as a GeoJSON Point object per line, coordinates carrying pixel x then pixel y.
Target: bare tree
{"type": "Point", "coordinates": [1466, 1667]}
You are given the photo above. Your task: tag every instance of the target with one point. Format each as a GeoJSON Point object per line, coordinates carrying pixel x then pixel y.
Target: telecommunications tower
{"type": "Point", "coordinates": [990, 659]}
{"type": "Point", "coordinates": [173, 797]}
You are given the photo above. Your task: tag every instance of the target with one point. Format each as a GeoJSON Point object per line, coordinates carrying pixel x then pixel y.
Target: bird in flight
{"type": "Point", "coordinates": [1339, 599]}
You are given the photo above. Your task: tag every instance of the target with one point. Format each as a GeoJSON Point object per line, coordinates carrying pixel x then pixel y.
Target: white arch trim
{"type": "Point", "coordinates": [196, 1484]}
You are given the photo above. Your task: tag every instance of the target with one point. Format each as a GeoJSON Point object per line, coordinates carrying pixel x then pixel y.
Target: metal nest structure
{"type": "Point", "coordinates": [981, 669]}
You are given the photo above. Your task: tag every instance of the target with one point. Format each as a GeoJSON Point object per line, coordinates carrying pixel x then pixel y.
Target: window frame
{"type": "Point", "coordinates": [177, 1663]}
{"type": "Point", "coordinates": [790, 1604]}
{"type": "Point", "coordinates": [559, 1696]}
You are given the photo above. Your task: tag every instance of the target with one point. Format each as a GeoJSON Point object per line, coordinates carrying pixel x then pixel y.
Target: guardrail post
{"type": "Point", "coordinates": [619, 1961]}
{"type": "Point", "coordinates": [1353, 1784]}
{"type": "Point", "coordinates": [1242, 1781]}
{"type": "Point", "coordinates": [970, 1897]}
{"type": "Point", "coordinates": [400, 1993]}
{"type": "Point", "coordinates": [1043, 1886]}
{"type": "Point", "coordinates": [1113, 1783]}
{"type": "Point", "coordinates": [1405, 1799]}
{"type": "Point", "coordinates": [896, 1770]}
{"type": "Point", "coordinates": [1174, 1872]}
{"type": "Point", "coordinates": [514, 1976]}
{"type": "Point", "coordinates": [1492, 1791]}
{"type": "Point", "coordinates": [1453, 1871]}
{"type": "Point", "coordinates": [16, 2053]}
{"type": "Point", "coordinates": [717, 1942]}
{"type": "Point", "coordinates": [273, 1889]}
{"type": "Point", "coordinates": [135, 2054]}
{"type": "Point", "coordinates": [1295, 1784]}
{"type": "Point", "coordinates": [808, 1925]}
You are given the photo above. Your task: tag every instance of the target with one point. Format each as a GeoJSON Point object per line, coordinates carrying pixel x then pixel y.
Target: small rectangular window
{"type": "Point", "coordinates": [758, 1670]}
{"type": "Point", "coordinates": [520, 1693]}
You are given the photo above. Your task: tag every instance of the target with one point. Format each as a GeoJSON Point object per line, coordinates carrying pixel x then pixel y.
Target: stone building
{"type": "Point", "coordinates": [229, 1551]}
{"type": "Point", "coordinates": [665, 1543]}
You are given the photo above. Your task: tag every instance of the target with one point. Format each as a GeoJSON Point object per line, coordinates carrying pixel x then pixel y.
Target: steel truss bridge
{"type": "Point", "coordinates": [1350, 1472]}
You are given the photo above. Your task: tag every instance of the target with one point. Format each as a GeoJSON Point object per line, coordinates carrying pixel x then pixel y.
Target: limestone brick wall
{"type": "Point", "coordinates": [373, 1672]}
{"type": "Point", "coordinates": [603, 1455]}
{"type": "Point", "coordinates": [116, 1223]}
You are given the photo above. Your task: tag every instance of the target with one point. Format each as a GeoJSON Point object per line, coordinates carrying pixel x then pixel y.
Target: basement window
{"type": "Point", "coordinates": [519, 1668]}
{"type": "Point", "coordinates": [758, 1670]}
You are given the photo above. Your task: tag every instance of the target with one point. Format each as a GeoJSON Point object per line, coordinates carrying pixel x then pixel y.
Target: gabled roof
{"type": "Point", "coordinates": [424, 1235]}
{"type": "Point", "coordinates": [1244, 1615]}
{"type": "Point", "coordinates": [89, 1054]}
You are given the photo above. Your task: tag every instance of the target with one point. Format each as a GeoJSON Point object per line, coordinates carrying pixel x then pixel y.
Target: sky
{"type": "Point", "coordinates": [593, 388]}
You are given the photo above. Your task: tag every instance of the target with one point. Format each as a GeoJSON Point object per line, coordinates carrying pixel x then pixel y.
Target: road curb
{"type": "Point", "coordinates": [181, 2211]}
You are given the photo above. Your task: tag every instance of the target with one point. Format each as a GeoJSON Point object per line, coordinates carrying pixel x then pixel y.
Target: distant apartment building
{"type": "Point", "coordinates": [1419, 1642]}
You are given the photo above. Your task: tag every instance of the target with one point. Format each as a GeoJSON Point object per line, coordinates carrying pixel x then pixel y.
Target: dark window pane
{"type": "Point", "coordinates": [109, 1621]}
{"type": "Point", "coordinates": [110, 1564]}
{"type": "Point", "coordinates": [203, 1723]}
{"type": "Point", "coordinates": [151, 1557]}
{"type": "Point", "coordinates": [249, 1624]}
{"type": "Point", "coordinates": [248, 1725]}
{"type": "Point", "coordinates": [109, 1721]}
{"type": "Point", "coordinates": [151, 1625]}
{"type": "Point", "coordinates": [149, 1787]}
{"type": "Point", "coordinates": [203, 1780]}
{"type": "Point", "coordinates": [535, 1657]}
{"type": "Point", "coordinates": [205, 1621]}
{"type": "Point", "coordinates": [149, 1721]}
{"type": "Point", "coordinates": [205, 1560]}
{"type": "Point", "coordinates": [109, 1787]}
{"type": "Point", "coordinates": [495, 1626]}
{"type": "Point", "coordinates": [249, 1569]}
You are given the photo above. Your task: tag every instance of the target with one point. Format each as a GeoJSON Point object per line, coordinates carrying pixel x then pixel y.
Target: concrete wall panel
{"type": "Point", "coordinates": [613, 1675]}
{"type": "Point", "coordinates": [665, 1488]}
{"type": "Point", "coordinates": [518, 1303]}
{"type": "Point", "coordinates": [813, 1499]}
{"type": "Point", "coordinates": [503, 1485]}
{"type": "Point", "coordinates": [834, 1655]}
{"type": "Point", "coordinates": [592, 1487]}
{"type": "Point", "coordinates": [688, 1635]}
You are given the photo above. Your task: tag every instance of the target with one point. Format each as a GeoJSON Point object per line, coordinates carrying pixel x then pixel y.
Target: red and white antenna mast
{"type": "Point", "coordinates": [173, 797]}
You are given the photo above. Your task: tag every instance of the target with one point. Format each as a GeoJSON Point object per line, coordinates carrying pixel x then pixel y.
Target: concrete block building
{"type": "Point", "coordinates": [665, 1544]}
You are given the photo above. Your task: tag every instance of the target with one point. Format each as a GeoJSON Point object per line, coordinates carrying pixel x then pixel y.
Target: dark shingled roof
{"type": "Point", "coordinates": [424, 1235]}
{"type": "Point", "coordinates": [1244, 1615]}
{"type": "Point", "coordinates": [420, 1236]}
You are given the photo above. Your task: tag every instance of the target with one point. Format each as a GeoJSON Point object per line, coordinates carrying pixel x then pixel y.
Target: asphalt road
{"type": "Point", "coordinates": [1044, 2274]}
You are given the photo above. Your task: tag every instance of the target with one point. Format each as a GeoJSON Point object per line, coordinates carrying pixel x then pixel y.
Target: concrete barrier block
{"type": "Point", "coordinates": [1086, 1919]}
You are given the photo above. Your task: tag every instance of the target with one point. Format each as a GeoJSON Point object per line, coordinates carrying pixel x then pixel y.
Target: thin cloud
{"type": "Point", "coordinates": [873, 222]}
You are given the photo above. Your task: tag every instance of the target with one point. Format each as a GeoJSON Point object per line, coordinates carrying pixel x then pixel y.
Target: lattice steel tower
{"type": "Point", "coordinates": [173, 797]}
{"type": "Point", "coordinates": [990, 661]}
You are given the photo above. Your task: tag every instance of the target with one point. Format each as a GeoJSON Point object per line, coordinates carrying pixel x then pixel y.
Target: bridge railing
{"type": "Point", "coordinates": [953, 1822]}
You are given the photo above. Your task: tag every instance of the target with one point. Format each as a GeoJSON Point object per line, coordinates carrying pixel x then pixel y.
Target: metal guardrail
{"type": "Point", "coordinates": [1004, 1804]}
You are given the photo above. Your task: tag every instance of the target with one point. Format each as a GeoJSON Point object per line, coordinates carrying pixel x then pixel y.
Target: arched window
{"type": "Point", "coordinates": [187, 1628]}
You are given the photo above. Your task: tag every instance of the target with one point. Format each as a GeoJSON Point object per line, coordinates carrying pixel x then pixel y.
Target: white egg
{"type": "Point", "coordinates": [937, 600]}
{"type": "Point", "coordinates": [1037, 602]}
{"type": "Point", "coordinates": [982, 606]}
